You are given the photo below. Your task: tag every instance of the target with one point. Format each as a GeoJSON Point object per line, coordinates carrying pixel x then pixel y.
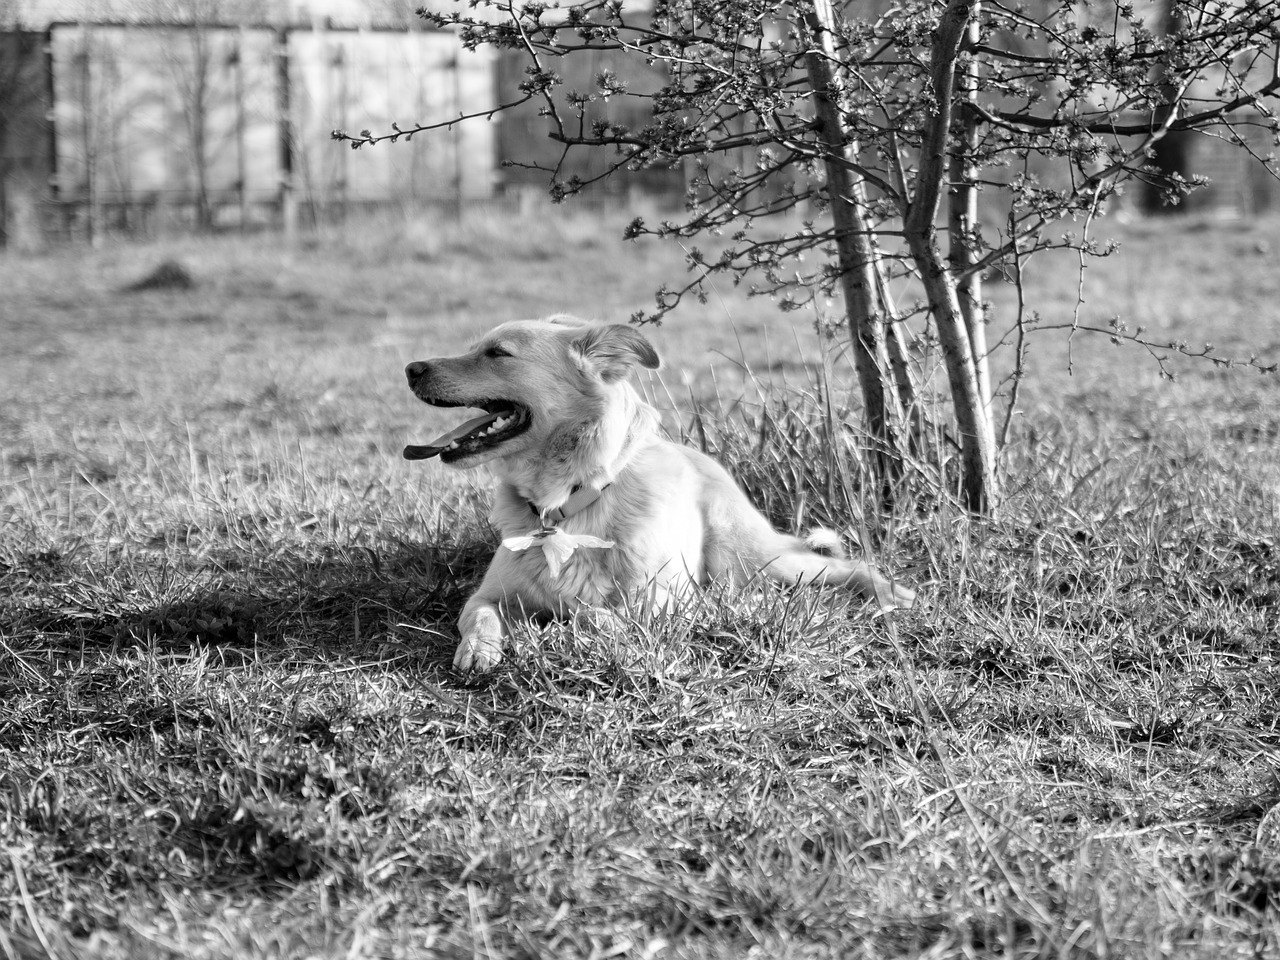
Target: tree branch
{"type": "Point", "coordinates": [367, 137]}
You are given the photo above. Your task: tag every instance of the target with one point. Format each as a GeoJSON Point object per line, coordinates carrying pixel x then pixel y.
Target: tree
{"type": "Point", "coordinates": [1171, 155]}
{"type": "Point", "coordinates": [869, 120]}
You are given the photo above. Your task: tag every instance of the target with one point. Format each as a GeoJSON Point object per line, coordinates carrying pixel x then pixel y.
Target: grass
{"type": "Point", "coordinates": [229, 726]}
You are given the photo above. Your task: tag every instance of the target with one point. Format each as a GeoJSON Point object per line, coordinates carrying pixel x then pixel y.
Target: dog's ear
{"type": "Point", "coordinates": [566, 320]}
{"type": "Point", "coordinates": [613, 350]}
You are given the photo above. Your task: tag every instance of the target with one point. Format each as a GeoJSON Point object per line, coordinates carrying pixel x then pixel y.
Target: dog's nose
{"type": "Point", "coordinates": [416, 369]}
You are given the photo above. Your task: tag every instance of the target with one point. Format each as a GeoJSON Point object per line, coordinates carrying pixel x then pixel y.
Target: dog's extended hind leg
{"type": "Point", "coordinates": [800, 565]}
{"type": "Point", "coordinates": [757, 547]}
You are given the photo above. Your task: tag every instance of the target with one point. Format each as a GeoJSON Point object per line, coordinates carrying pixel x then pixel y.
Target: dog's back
{"type": "Point", "coordinates": [676, 518]}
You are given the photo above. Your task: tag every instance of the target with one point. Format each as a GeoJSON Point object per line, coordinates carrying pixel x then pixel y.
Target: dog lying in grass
{"type": "Point", "coordinates": [596, 509]}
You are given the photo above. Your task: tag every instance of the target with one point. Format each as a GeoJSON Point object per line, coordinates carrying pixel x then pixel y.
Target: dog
{"type": "Point", "coordinates": [595, 507]}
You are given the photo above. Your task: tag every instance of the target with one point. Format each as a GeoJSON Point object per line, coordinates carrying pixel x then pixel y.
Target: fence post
{"type": "Point", "coordinates": [51, 101]}
{"type": "Point", "coordinates": [241, 161]}
{"type": "Point", "coordinates": [89, 134]}
{"type": "Point", "coordinates": [288, 202]}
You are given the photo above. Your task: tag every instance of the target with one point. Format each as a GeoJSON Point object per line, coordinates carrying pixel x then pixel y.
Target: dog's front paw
{"type": "Point", "coordinates": [478, 654]}
{"type": "Point", "coordinates": [481, 646]}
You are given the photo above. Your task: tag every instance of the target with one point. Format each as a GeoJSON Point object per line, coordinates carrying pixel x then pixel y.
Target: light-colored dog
{"type": "Point", "coordinates": [596, 509]}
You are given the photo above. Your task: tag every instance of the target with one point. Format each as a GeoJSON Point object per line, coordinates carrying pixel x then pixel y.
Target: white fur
{"type": "Point", "coordinates": [675, 516]}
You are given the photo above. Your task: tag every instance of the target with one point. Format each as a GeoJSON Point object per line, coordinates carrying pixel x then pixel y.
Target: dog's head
{"type": "Point", "coordinates": [531, 377]}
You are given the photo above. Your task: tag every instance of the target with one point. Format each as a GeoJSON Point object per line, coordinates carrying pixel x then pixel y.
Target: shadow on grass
{"type": "Point", "coordinates": [190, 727]}
{"type": "Point", "coordinates": [347, 599]}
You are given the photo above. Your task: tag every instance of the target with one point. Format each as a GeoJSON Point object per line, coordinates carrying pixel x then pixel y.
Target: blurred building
{"type": "Point", "coordinates": [39, 14]}
{"type": "Point", "coordinates": [140, 126]}
{"type": "Point", "coordinates": [141, 115]}
{"type": "Point", "coordinates": [158, 114]}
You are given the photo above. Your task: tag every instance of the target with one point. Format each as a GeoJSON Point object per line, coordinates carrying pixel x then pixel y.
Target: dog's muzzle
{"type": "Point", "coordinates": [503, 420]}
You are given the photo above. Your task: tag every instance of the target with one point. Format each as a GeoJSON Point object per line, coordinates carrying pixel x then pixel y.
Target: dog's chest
{"type": "Point", "coordinates": [563, 564]}
{"type": "Point", "coordinates": [565, 568]}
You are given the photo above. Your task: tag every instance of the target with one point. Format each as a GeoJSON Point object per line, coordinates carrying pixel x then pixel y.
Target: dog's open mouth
{"type": "Point", "coordinates": [503, 419]}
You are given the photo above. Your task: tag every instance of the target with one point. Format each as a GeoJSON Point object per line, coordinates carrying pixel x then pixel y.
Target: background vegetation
{"type": "Point", "coordinates": [229, 727]}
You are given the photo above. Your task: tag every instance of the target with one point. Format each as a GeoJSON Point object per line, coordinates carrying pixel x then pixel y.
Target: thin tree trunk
{"type": "Point", "coordinates": [904, 373]}
{"type": "Point", "coordinates": [979, 487]}
{"type": "Point", "coordinates": [856, 255]}
{"type": "Point", "coordinates": [963, 225]}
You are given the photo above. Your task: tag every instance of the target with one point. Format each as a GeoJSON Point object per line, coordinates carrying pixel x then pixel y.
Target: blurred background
{"type": "Point", "coordinates": [144, 117]}
{"type": "Point", "coordinates": [161, 115]}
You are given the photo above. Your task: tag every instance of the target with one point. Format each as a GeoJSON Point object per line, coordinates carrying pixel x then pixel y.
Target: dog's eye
{"type": "Point", "coordinates": [497, 350]}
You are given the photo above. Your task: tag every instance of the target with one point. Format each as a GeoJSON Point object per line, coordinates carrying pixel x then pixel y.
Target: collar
{"type": "Point", "coordinates": [580, 497]}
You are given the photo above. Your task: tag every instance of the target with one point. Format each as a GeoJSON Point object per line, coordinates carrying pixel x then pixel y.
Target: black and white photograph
{"type": "Point", "coordinates": [641, 479]}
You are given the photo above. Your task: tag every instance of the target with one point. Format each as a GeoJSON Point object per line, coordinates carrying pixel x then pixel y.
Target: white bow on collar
{"type": "Point", "coordinates": [557, 545]}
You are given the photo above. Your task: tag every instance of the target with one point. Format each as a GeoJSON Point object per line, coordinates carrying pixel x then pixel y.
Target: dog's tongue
{"type": "Point", "coordinates": [426, 451]}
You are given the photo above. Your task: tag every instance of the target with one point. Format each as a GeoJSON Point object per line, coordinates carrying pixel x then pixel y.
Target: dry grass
{"type": "Point", "coordinates": [228, 725]}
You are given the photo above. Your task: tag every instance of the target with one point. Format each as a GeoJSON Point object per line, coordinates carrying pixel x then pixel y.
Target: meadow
{"type": "Point", "coordinates": [229, 726]}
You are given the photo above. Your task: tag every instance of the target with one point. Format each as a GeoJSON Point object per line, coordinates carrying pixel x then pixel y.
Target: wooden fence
{"type": "Point", "coordinates": [148, 126]}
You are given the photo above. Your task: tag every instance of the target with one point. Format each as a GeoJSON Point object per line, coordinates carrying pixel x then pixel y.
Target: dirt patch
{"type": "Point", "coordinates": [169, 275]}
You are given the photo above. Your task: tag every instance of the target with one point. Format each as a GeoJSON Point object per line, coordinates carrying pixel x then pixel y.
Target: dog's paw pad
{"type": "Point", "coordinates": [477, 655]}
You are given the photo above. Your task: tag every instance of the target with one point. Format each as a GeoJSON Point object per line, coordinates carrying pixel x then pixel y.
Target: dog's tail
{"type": "Point", "coordinates": [741, 543]}
{"type": "Point", "coordinates": [825, 541]}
